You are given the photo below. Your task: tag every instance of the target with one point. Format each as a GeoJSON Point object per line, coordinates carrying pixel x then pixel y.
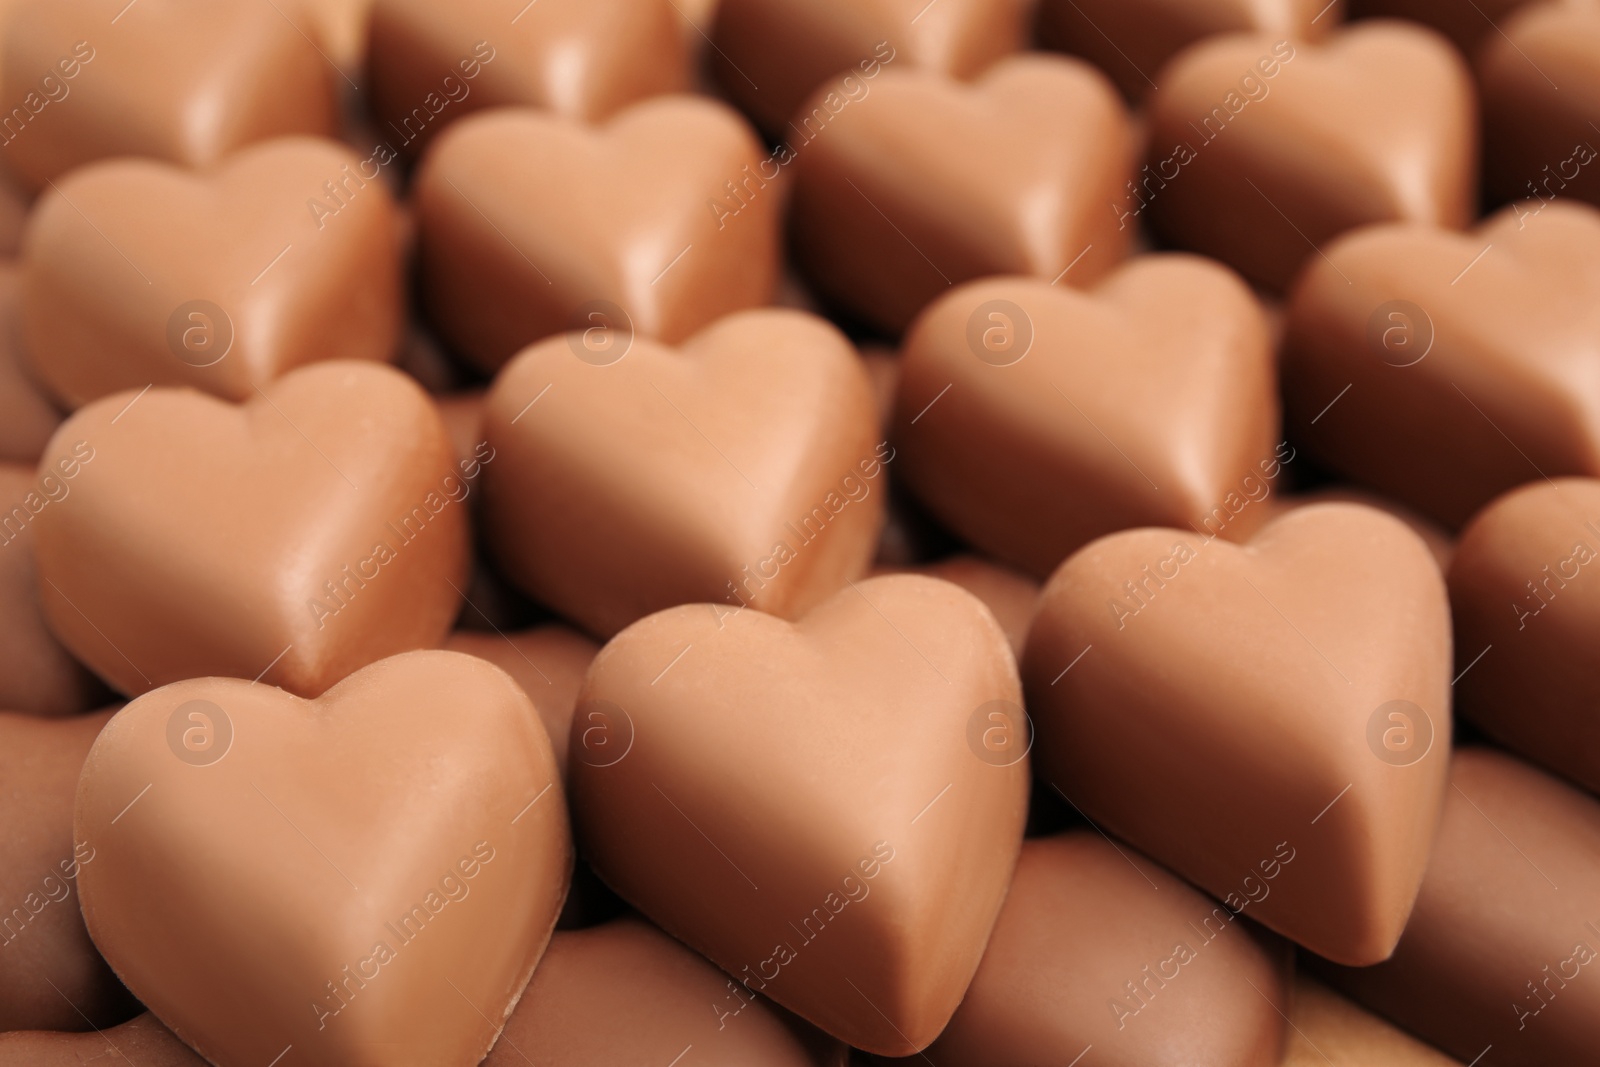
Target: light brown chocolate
{"type": "Point", "coordinates": [1527, 619]}
{"type": "Point", "coordinates": [548, 662]}
{"type": "Point", "coordinates": [1270, 721]}
{"type": "Point", "coordinates": [1503, 942]}
{"type": "Point", "coordinates": [1010, 595]}
{"type": "Point", "coordinates": [1327, 1028]}
{"type": "Point", "coordinates": [27, 417]}
{"type": "Point", "coordinates": [136, 272]}
{"type": "Point", "coordinates": [908, 183]}
{"type": "Point", "coordinates": [1017, 416]}
{"type": "Point", "coordinates": [769, 55]}
{"type": "Point", "coordinates": [626, 484]}
{"type": "Point", "coordinates": [430, 65]}
{"type": "Point", "coordinates": [293, 539]}
{"type": "Point", "coordinates": [37, 675]}
{"type": "Point", "coordinates": [533, 225]}
{"type": "Point", "coordinates": [627, 993]}
{"type": "Point", "coordinates": [51, 976]}
{"type": "Point", "coordinates": [1132, 39]}
{"type": "Point", "coordinates": [142, 1041]}
{"type": "Point", "coordinates": [1540, 82]}
{"type": "Point", "coordinates": [187, 81]}
{"type": "Point", "coordinates": [1100, 949]}
{"type": "Point", "coordinates": [739, 796]}
{"type": "Point", "coordinates": [368, 878]}
{"type": "Point", "coordinates": [1262, 150]}
{"type": "Point", "coordinates": [1439, 541]}
{"type": "Point", "coordinates": [1463, 360]}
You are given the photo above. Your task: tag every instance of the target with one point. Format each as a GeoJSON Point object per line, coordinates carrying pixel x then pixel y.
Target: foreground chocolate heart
{"type": "Point", "coordinates": [1527, 615]}
{"type": "Point", "coordinates": [188, 81]}
{"type": "Point", "coordinates": [1540, 80]}
{"type": "Point", "coordinates": [1445, 369]}
{"type": "Point", "coordinates": [769, 55]}
{"type": "Point", "coordinates": [1131, 39]}
{"type": "Point", "coordinates": [1011, 385]}
{"type": "Point", "coordinates": [627, 993]}
{"type": "Point", "coordinates": [628, 484]}
{"type": "Point", "coordinates": [37, 675]}
{"type": "Point", "coordinates": [368, 878]}
{"type": "Point", "coordinates": [911, 183]}
{"type": "Point", "coordinates": [583, 59]}
{"type": "Point", "coordinates": [733, 788]}
{"type": "Point", "coordinates": [532, 225]}
{"type": "Point", "coordinates": [1519, 982]}
{"type": "Point", "coordinates": [294, 539]}
{"type": "Point", "coordinates": [51, 976]}
{"type": "Point", "coordinates": [1009, 595]}
{"type": "Point", "coordinates": [1271, 721]}
{"type": "Point", "coordinates": [136, 272]}
{"type": "Point", "coordinates": [1262, 150]}
{"type": "Point", "coordinates": [1099, 949]}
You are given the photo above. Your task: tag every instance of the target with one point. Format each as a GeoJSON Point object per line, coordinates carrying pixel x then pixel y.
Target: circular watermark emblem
{"type": "Point", "coordinates": [603, 733]}
{"type": "Point", "coordinates": [199, 333]}
{"type": "Point", "coordinates": [1400, 333]}
{"type": "Point", "coordinates": [600, 333]}
{"type": "Point", "coordinates": [199, 732]}
{"type": "Point", "coordinates": [1000, 733]}
{"type": "Point", "coordinates": [999, 332]}
{"type": "Point", "coordinates": [1400, 733]}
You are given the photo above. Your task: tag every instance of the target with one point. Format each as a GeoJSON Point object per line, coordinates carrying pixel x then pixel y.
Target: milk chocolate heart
{"type": "Point", "coordinates": [1540, 81]}
{"type": "Point", "coordinates": [582, 59]}
{"type": "Point", "coordinates": [1506, 931]}
{"type": "Point", "coordinates": [1009, 595]}
{"type": "Point", "coordinates": [769, 55]}
{"type": "Point", "coordinates": [1326, 1028]}
{"type": "Point", "coordinates": [1440, 544]}
{"type": "Point", "coordinates": [51, 976]}
{"type": "Point", "coordinates": [627, 993]}
{"type": "Point", "coordinates": [1016, 398]}
{"type": "Point", "coordinates": [37, 675]}
{"type": "Point", "coordinates": [1132, 39]}
{"type": "Point", "coordinates": [912, 183]}
{"type": "Point", "coordinates": [1271, 721]}
{"type": "Point", "coordinates": [27, 417]}
{"type": "Point", "coordinates": [1466, 24]}
{"type": "Point", "coordinates": [368, 878]}
{"type": "Point", "coordinates": [532, 225]}
{"type": "Point", "coordinates": [743, 469]}
{"type": "Point", "coordinates": [547, 662]}
{"type": "Point", "coordinates": [136, 272]}
{"type": "Point", "coordinates": [142, 1041]}
{"type": "Point", "coordinates": [1445, 369]}
{"type": "Point", "coordinates": [1527, 619]}
{"type": "Point", "coordinates": [1262, 150]}
{"type": "Point", "coordinates": [1101, 949]}
{"type": "Point", "coordinates": [294, 539]}
{"type": "Point", "coordinates": [734, 788]}
{"type": "Point", "coordinates": [188, 81]}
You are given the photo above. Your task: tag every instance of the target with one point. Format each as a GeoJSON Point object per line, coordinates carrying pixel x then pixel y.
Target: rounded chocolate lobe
{"type": "Point", "coordinates": [141, 1040]}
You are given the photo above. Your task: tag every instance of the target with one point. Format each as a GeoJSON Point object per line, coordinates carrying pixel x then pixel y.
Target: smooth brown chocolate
{"type": "Point", "coordinates": [632, 477]}
{"type": "Point", "coordinates": [533, 225]}
{"type": "Point", "coordinates": [1271, 721]}
{"type": "Point", "coordinates": [1262, 150]}
{"type": "Point", "coordinates": [769, 55]}
{"type": "Point", "coordinates": [1495, 964]}
{"type": "Point", "coordinates": [294, 539]}
{"type": "Point", "coordinates": [141, 1041]}
{"type": "Point", "coordinates": [1527, 623]}
{"type": "Point", "coordinates": [1132, 39]}
{"type": "Point", "coordinates": [137, 272]}
{"type": "Point", "coordinates": [27, 417]}
{"type": "Point", "coordinates": [1099, 949]}
{"type": "Point", "coordinates": [627, 993]}
{"type": "Point", "coordinates": [548, 662]}
{"type": "Point", "coordinates": [1465, 22]}
{"type": "Point", "coordinates": [581, 59]}
{"type": "Point", "coordinates": [1444, 369]}
{"type": "Point", "coordinates": [1015, 400]}
{"type": "Point", "coordinates": [1010, 595]}
{"type": "Point", "coordinates": [51, 976]}
{"type": "Point", "coordinates": [368, 878]}
{"type": "Point", "coordinates": [908, 183]}
{"type": "Point", "coordinates": [188, 81]}
{"type": "Point", "coordinates": [1326, 1028]}
{"type": "Point", "coordinates": [37, 675]}
{"type": "Point", "coordinates": [1540, 83]}
{"type": "Point", "coordinates": [1440, 544]}
{"type": "Point", "coordinates": [739, 796]}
